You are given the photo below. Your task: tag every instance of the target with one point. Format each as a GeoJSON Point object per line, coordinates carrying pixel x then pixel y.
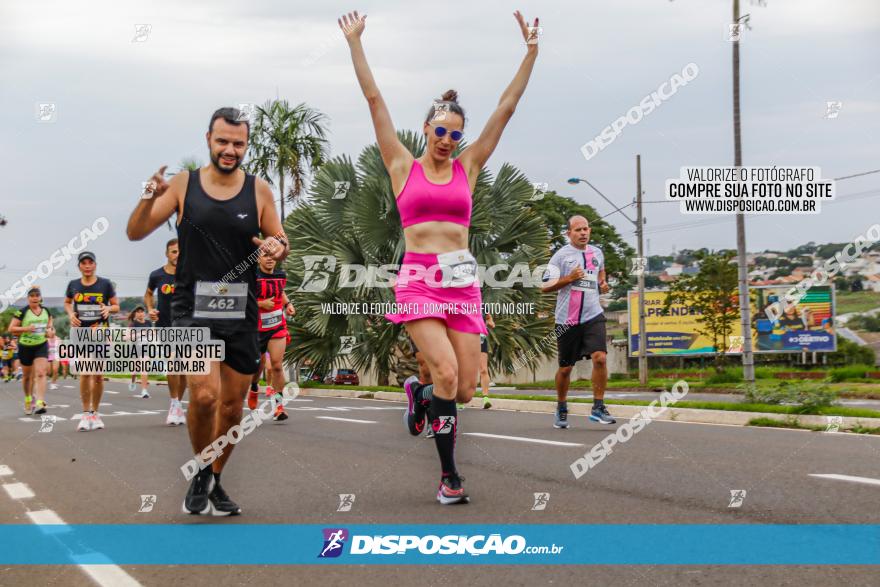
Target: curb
{"type": "Point", "coordinates": [672, 414]}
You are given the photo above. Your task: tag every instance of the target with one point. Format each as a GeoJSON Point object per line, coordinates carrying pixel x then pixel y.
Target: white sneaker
{"type": "Point", "coordinates": [171, 420]}
{"type": "Point", "coordinates": [145, 394]}
{"type": "Point", "coordinates": [85, 423]}
{"type": "Point", "coordinates": [181, 415]}
{"type": "Point", "coordinates": [97, 423]}
{"type": "Point", "coordinates": [132, 386]}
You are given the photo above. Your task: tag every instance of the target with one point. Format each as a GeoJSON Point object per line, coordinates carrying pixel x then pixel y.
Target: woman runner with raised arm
{"type": "Point", "coordinates": [433, 196]}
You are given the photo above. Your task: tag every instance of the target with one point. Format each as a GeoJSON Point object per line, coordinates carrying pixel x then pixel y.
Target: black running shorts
{"type": "Point", "coordinates": [580, 341]}
{"type": "Point", "coordinates": [242, 348]}
{"type": "Point", "coordinates": [27, 354]}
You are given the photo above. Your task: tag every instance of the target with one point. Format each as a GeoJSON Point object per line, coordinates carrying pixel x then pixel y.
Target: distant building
{"type": "Point", "coordinates": [872, 283]}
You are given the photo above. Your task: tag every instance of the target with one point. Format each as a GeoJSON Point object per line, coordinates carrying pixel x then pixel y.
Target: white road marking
{"type": "Point", "coordinates": [105, 575]}
{"type": "Point", "coordinates": [109, 575]}
{"type": "Point", "coordinates": [68, 387]}
{"type": "Point", "coordinates": [850, 478]}
{"type": "Point", "coordinates": [45, 517]}
{"type": "Point", "coordinates": [345, 419]}
{"type": "Point", "coordinates": [18, 490]}
{"type": "Point", "coordinates": [4, 471]}
{"type": "Point", "coordinates": [522, 439]}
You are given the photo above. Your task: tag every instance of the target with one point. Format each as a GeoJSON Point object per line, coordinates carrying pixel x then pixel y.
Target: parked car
{"type": "Point", "coordinates": [342, 377]}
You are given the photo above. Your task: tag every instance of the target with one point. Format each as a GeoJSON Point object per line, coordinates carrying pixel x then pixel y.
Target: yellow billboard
{"type": "Point", "coordinates": [805, 326]}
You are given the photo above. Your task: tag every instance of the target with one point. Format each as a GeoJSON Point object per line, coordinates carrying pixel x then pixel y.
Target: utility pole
{"type": "Point", "coordinates": [743, 273]}
{"type": "Point", "coordinates": [640, 234]}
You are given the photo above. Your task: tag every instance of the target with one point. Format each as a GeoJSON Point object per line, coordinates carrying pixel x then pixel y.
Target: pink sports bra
{"type": "Point", "coordinates": [423, 201]}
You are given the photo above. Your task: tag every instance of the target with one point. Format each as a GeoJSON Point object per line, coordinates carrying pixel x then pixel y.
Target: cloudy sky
{"type": "Point", "coordinates": [124, 108]}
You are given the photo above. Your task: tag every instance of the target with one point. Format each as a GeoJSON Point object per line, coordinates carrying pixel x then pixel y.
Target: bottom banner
{"type": "Point", "coordinates": [637, 544]}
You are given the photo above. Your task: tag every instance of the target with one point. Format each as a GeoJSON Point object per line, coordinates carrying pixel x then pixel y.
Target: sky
{"type": "Point", "coordinates": [128, 102]}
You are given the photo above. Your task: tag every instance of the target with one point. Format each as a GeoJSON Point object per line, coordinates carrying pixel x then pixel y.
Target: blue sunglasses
{"type": "Point", "coordinates": [455, 135]}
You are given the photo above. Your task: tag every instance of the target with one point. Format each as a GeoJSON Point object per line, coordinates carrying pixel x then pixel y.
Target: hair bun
{"type": "Point", "coordinates": [450, 96]}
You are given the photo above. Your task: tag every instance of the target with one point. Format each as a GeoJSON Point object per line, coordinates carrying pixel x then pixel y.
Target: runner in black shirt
{"type": "Point", "coordinates": [162, 281]}
{"type": "Point", "coordinates": [221, 210]}
{"type": "Point", "coordinates": [137, 318]}
{"type": "Point", "coordinates": [89, 301]}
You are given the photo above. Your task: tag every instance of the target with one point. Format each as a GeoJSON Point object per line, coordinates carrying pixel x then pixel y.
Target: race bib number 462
{"type": "Point", "coordinates": [220, 301]}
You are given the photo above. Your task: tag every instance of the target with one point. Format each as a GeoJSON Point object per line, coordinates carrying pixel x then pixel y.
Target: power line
{"type": "Point", "coordinates": [857, 174]}
{"type": "Point", "coordinates": [679, 225]}
{"type": "Point", "coordinates": [834, 179]}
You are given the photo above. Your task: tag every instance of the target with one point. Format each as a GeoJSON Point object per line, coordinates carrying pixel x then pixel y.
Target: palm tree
{"type": "Point", "coordinates": [287, 143]}
{"type": "Point", "coordinates": [364, 228]}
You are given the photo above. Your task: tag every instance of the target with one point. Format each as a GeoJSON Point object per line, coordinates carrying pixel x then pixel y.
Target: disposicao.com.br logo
{"type": "Point", "coordinates": [431, 544]}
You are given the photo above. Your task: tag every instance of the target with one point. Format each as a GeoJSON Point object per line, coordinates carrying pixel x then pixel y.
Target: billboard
{"type": "Point", "coordinates": [807, 326]}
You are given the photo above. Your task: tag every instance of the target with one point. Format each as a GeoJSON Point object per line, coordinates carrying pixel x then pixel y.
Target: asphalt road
{"type": "Point", "coordinates": [294, 472]}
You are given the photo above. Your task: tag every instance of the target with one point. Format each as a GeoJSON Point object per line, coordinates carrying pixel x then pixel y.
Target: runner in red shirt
{"type": "Point", "coordinates": [272, 326]}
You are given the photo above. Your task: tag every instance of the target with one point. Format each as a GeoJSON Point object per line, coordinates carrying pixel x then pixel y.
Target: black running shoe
{"type": "Point", "coordinates": [414, 417]}
{"type": "Point", "coordinates": [221, 505]}
{"type": "Point", "coordinates": [196, 500]}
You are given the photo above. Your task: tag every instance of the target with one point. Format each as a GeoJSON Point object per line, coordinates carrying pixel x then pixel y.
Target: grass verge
{"type": "Point", "coordinates": [794, 424]}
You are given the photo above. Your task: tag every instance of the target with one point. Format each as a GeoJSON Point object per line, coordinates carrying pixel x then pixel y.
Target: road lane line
{"type": "Point", "coordinates": [46, 517]}
{"type": "Point", "coordinates": [522, 439]}
{"type": "Point", "coordinates": [4, 471]}
{"type": "Point", "coordinates": [109, 576]}
{"type": "Point", "coordinates": [345, 419]}
{"type": "Point", "coordinates": [104, 575]}
{"type": "Point", "coordinates": [18, 490]}
{"type": "Point", "coordinates": [850, 478]}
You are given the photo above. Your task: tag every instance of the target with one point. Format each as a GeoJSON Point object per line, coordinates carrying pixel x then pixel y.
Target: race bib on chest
{"type": "Point", "coordinates": [88, 312]}
{"type": "Point", "coordinates": [589, 282]}
{"type": "Point", "coordinates": [40, 328]}
{"type": "Point", "coordinates": [459, 268]}
{"type": "Point", "coordinates": [270, 320]}
{"type": "Point", "coordinates": [220, 301]}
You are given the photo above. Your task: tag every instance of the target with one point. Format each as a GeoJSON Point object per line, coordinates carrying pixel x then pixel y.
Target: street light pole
{"type": "Point", "coordinates": [643, 336]}
{"type": "Point", "coordinates": [743, 270]}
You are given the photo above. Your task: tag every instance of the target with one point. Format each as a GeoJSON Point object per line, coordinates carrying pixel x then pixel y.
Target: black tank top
{"type": "Point", "coordinates": [215, 246]}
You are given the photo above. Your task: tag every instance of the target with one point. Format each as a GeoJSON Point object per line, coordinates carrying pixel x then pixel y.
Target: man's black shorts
{"type": "Point", "coordinates": [265, 337]}
{"type": "Point", "coordinates": [242, 348]}
{"type": "Point", "coordinates": [27, 354]}
{"type": "Point", "coordinates": [580, 340]}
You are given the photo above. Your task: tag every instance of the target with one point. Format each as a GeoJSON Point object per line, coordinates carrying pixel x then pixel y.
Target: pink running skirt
{"type": "Point", "coordinates": [420, 293]}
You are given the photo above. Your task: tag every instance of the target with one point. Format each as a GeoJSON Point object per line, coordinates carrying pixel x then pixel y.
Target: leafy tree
{"type": "Point", "coordinates": [713, 293]}
{"type": "Point", "coordinates": [850, 353]}
{"type": "Point", "coordinates": [555, 210]}
{"type": "Point", "coordinates": [658, 262]}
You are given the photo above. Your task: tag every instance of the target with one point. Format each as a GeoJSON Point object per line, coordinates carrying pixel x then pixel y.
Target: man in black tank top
{"type": "Point", "coordinates": [221, 210]}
